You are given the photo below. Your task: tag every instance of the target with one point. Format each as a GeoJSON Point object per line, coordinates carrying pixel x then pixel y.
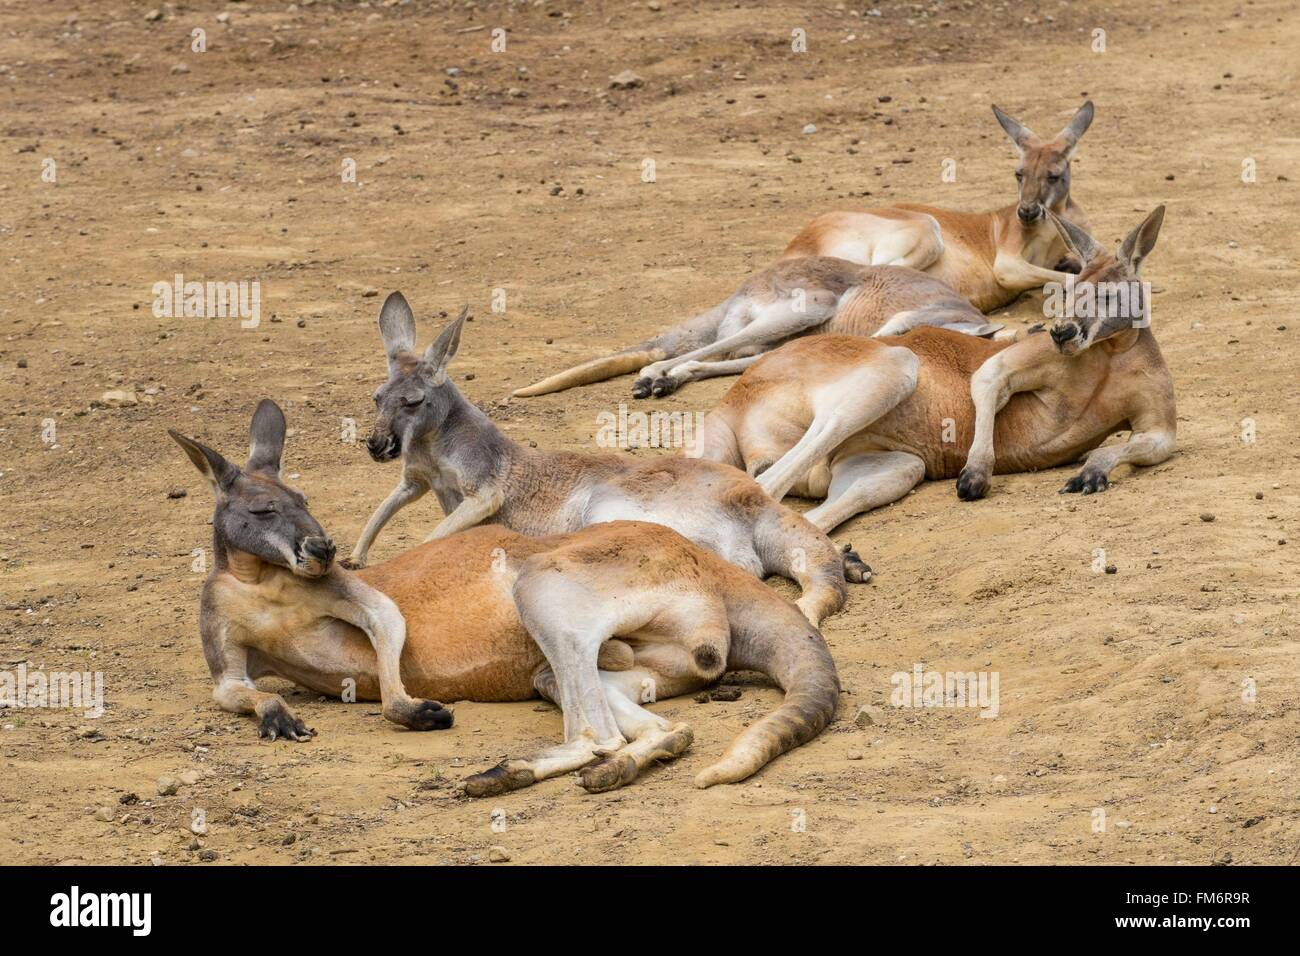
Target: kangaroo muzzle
{"type": "Point", "coordinates": [383, 447]}
{"type": "Point", "coordinates": [1031, 213]}
{"type": "Point", "coordinates": [315, 555]}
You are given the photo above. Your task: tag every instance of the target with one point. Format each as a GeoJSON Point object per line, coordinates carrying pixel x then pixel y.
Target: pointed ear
{"type": "Point", "coordinates": [1141, 240]}
{"type": "Point", "coordinates": [266, 438]}
{"type": "Point", "coordinates": [1076, 240]}
{"type": "Point", "coordinates": [1077, 126]}
{"type": "Point", "coordinates": [396, 326]}
{"type": "Point", "coordinates": [220, 473]}
{"type": "Point", "coordinates": [1020, 134]}
{"type": "Point", "coordinates": [443, 350]}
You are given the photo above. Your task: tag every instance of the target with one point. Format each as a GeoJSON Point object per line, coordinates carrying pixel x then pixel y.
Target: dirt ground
{"type": "Point", "coordinates": [1128, 693]}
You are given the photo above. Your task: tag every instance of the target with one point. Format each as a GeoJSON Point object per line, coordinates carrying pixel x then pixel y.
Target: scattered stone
{"type": "Point", "coordinates": [498, 854]}
{"type": "Point", "coordinates": [22, 363]}
{"type": "Point", "coordinates": [627, 80]}
{"type": "Point", "coordinates": [207, 856]}
{"type": "Point", "coordinates": [118, 398]}
{"type": "Point", "coordinates": [190, 777]}
{"type": "Point", "coordinates": [153, 16]}
{"type": "Point", "coordinates": [810, 129]}
{"type": "Point", "coordinates": [127, 799]}
{"type": "Point", "coordinates": [180, 68]}
{"type": "Point", "coordinates": [177, 493]}
{"type": "Point", "coordinates": [369, 293]}
{"type": "Point", "coordinates": [863, 718]}
{"type": "Point", "coordinates": [167, 786]}
{"type": "Point", "coordinates": [1111, 569]}
{"type": "Point", "coordinates": [105, 814]}
{"type": "Point", "coordinates": [1207, 516]}
{"type": "Point", "coordinates": [853, 755]}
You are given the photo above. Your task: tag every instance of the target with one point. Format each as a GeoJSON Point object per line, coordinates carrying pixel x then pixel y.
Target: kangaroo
{"type": "Point", "coordinates": [989, 258]}
{"type": "Point", "coordinates": [859, 422]}
{"type": "Point", "coordinates": [448, 445]}
{"type": "Point", "coordinates": [808, 296]}
{"type": "Point", "coordinates": [598, 622]}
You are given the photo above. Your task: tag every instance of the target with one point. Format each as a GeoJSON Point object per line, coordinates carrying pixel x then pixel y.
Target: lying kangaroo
{"type": "Point", "coordinates": [447, 444]}
{"type": "Point", "coordinates": [598, 622]}
{"type": "Point", "coordinates": [859, 422]}
{"type": "Point", "coordinates": [790, 298]}
{"type": "Point", "coordinates": [989, 258]}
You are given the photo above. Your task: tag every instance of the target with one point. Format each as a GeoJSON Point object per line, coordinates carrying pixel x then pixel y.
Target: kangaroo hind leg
{"type": "Point", "coordinates": [862, 482]}
{"type": "Point", "coordinates": [841, 408]}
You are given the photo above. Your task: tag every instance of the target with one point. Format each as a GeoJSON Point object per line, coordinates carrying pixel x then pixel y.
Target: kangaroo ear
{"type": "Point", "coordinates": [1077, 126]}
{"type": "Point", "coordinates": [396, 326]}
{"type": "Point", "coordinates": [1141, 240]}
{"type": "Point", "coordinates": [439, 355]}
{"type": "Point", "coordinates": [1020, 134]}
{"type": "Point", "coordinates": [220, 473]}
{"type": "Point", "coordinates": [1076, 240]}
{"type": "Point", "coordinates": [266, 438]}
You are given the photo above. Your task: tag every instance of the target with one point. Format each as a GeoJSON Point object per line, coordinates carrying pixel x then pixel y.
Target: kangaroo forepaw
{"type": "Point", "coordinates": [856, 571]}
{"type": "Point", "coordinates": [421, 715]}
{"type": "Point", "coordinates": [278, 723]}
{"type": "Point", "coordinates": [1086, 483]}
{"type": "Point", "coordinates": [353, 564]}
{"type": "Point", "coordinates": [500, 779]}
{"type": "Point", "coordinates": [972, 484]}
{"type": "Point", "coordinates": [641, 387]}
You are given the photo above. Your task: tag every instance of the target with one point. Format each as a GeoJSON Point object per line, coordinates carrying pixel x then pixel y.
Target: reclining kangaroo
{"type": "Point", "coordinates": [988, 258]}
{"type": "Point", "coordinates": [859, 422]}
{"type": "Point", "coordinates": [447, 444]}
{"type": "Point", "coordinates": [790, 298]}
{"type": "Point", "coordinates": [598, 622]}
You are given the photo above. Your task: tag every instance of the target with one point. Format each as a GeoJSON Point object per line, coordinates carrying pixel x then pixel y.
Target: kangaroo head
{"type": "Point", "coordinates": [1043, 173]}
{"type": "Point", "coordinates": [257, 513]}
{"type": "Point", "coordinates": [1113, 297]}
{"type": "Point", "coordinates": [418, 394]}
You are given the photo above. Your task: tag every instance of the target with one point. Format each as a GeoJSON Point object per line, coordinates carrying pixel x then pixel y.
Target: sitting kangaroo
{"type": "Point", "coordinates": [859, 422]}
{"type": "Point", "coordinates": [808, 296]}
{"type": "Point", "coordinates": [988, 258]}
{"type": "Point", "coordinates": [598, 622]}
{"type": "Point", "coordinates": [479, 475]}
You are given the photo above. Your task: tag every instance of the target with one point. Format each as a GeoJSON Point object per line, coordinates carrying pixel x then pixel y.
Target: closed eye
{"type": "Point", "coordinates": [262, 511]}
{"type": "Point", "coordinates": [412, 402]}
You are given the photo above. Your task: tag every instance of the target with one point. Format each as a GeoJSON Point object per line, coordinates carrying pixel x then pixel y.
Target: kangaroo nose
{"type": "Point", "coordinates": [1063, 333]}
{"type": "Point", "coordinates": [1027, 213]}
{"type": "Point", "coordinates": [374, 443]}
{"type": "Point", "coordinates": [322, 549]}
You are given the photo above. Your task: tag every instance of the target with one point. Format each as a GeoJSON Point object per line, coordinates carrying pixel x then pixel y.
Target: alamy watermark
{"type": "Point", "coordinates": [658, 429]}
{"type": "Point", "coordinates": [1073, 299]}
{"type": "Point", "coordinates": [921, 688]}
{"type": "Point", "coordinates": [209, 300]}
{"type": "Point", "coordinates": [55, 690]}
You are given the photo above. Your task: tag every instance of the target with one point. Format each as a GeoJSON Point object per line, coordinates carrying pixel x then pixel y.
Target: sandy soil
{"type": "Point", "coordinates": [1119, 692]}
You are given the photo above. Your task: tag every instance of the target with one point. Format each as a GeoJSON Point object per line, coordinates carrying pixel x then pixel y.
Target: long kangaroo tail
{"type": "Point", "coordinates": [597, 370]}
{"type": "Point", "coordinates": [768, 635]}
{"type": "Point", "coordinates": [793, 547]}
{"type": "Point", "coordinates": [691, 334]}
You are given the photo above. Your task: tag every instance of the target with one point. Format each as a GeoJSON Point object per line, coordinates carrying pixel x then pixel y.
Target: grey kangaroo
{"type": "Point", "coordinates": [449, 446]}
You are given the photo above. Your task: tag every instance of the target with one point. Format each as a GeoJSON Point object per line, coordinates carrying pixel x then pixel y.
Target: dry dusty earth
{"type": "Point", "coordinates": [522, 172]}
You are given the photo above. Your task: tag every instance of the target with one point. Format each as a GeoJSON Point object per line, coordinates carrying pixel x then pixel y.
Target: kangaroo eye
{"type": "Point", "coordinates": [1053, 178]}
{"type": "Point", "coordinates": [1019, 175]}
{"type": "Point", "coordinates": [412, 402]}
{"type": "Point", "coordinates": [262, 511]}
